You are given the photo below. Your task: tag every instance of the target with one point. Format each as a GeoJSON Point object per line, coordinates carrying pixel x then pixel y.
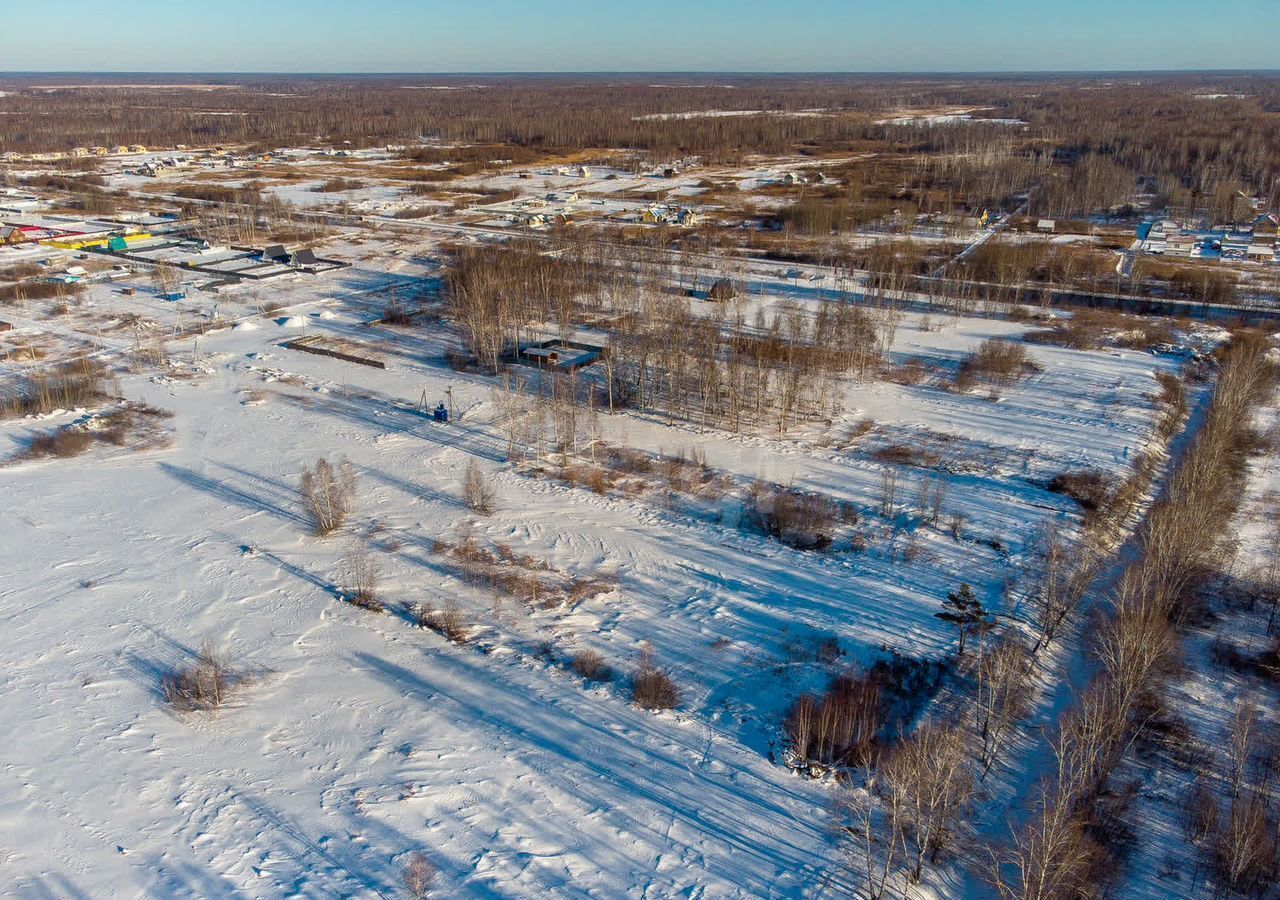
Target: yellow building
{"type": "Point", "coordinates": [95, 243]}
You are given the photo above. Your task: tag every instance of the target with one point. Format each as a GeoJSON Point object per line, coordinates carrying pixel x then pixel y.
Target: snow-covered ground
{"type": "Point", "coordinates": [1207, 693]}
{"type": "Point", "coordinates": [361, 738]}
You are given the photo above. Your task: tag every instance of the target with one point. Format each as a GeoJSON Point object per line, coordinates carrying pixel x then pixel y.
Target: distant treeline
{"type": "Point", "coordinates": [1195, 139]}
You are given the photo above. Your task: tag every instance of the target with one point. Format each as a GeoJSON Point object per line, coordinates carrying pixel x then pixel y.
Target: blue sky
{"type": "Point", "coordinates": [639, 35]}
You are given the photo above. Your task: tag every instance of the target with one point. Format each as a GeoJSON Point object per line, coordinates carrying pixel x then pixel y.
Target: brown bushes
{"type": "Point", "coordinates": [995, 363]}
{"type": "Point", "coordinates": [800, 519]}
{"type": "Point", "coordinates": [60, 442]}
{"type": "Point", "coordinates": [1091, 488]}
{"type": "Point", "coordinates": [591, 666]}
{"type": "Point", "coordinates": [839, 727]}
{"type": "Point", "coordinates": [202, 684]}
{"type": "Point", "coordinates": [414, 212]}
{"type": "Point", "coordinates": [911, 372]}
{"type": "Point", "coordinates": [448, 622]}
{"type": "Point", "coordinates": [217, 193]}
{"type": "Point", "coordinates": [652, 687]}
{"type": "Point", "coordinates": [19, 271]}
{"type": "Point", "coordinates": [337, 185]}
{"type": "Point", "coordinates": [396, 313]}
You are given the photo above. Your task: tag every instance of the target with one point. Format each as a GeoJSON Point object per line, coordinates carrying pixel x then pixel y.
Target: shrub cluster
{"type": "Point", "coordinates": [995, 363]}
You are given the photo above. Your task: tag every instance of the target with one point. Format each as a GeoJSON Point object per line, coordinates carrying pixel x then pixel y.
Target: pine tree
{"type": "Point", "coordinates": [965, 611]}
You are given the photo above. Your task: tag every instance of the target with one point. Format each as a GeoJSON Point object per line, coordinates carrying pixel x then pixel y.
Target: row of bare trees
{"type": "Point", "coordinates": [915, 793]}
{"type": "Point", "coordinates": [1066, 849]}
{"type": "Point", "coordinates": [908, 799]}
{"type": "Point", "coordinates": [1232, 817]}
{"type": "Point", "coordinates": [705, 363]}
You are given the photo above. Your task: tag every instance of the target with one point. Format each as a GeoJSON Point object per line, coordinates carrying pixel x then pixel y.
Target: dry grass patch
{"type": "Point", "coordinates": [524, 577]}
{"type": "Point", "coordinates": [448, 621]}
{"type": "Point", "coordinates": [911, 372]}
{"type": "Point", "coordinates": [134, 425]}
{"type": "Point", "coordinates": [805, 520]}
{"type": "Point", "coordinates": [60, 442]}
{"type": "Point", "coordinates": [22, 351]}
{"type": "Point", "coordinates": [337, 185]}
{"type": "Point", "coordinates": [205, 683]}
{"type": "Point", "coordinates": [633, 472]}
{"type": "Point", "coordinates": [907, 455]}
{"type": "Point", "coordinates": [76, 385]}
{"type": "Point", "coordinates": [1090, 329]}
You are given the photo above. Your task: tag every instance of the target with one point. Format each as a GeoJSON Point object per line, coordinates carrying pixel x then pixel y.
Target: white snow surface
{"type": "Point", "coordinates": [360, 738]}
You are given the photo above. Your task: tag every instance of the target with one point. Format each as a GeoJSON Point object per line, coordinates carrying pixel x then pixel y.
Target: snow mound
{"type": "Point", "coordinates": [245, 326]}
{"type": "Point", "coordinates": [292, 322]}
{"type": "Point", "coordinates": [327, 315]}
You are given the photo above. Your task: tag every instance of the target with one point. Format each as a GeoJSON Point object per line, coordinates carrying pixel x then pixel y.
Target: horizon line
{"type": "Point", "coordinates": [478, 73]}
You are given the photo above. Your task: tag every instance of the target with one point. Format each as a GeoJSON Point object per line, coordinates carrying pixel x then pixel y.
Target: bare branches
{"type": "Point", "coordinates": [202, 685]}
{"type": "Point", "coordinates": [419, 873]}
{"type": "Point", "coordinates": [911, 808]}
{"type": "Point", "coordinates": [1001, 694]}
{"type": "Point", "coordinates": [1138, 646]}
{"type": "Point", "coordinates": [477, 492]}
{"type": "Point", "coordinates": [328, 492]}
{"type": "Point", "coordinates": [361, 574]}
{"type": "Point", "coordinates": [448, 622]}
{"type": "Point", "coordinates": [652, 687]}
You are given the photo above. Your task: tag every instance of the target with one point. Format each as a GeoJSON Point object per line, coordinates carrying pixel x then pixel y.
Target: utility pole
{"type": "Point", "coordinates": [448, 392]}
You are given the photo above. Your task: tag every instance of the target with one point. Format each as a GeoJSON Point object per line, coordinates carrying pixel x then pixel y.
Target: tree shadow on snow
{"type": "Point", "coordinates": [233, 495]}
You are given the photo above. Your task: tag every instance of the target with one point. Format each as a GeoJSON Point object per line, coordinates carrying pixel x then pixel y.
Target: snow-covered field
{"type": "Point", "coordinates": [360, 738]}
